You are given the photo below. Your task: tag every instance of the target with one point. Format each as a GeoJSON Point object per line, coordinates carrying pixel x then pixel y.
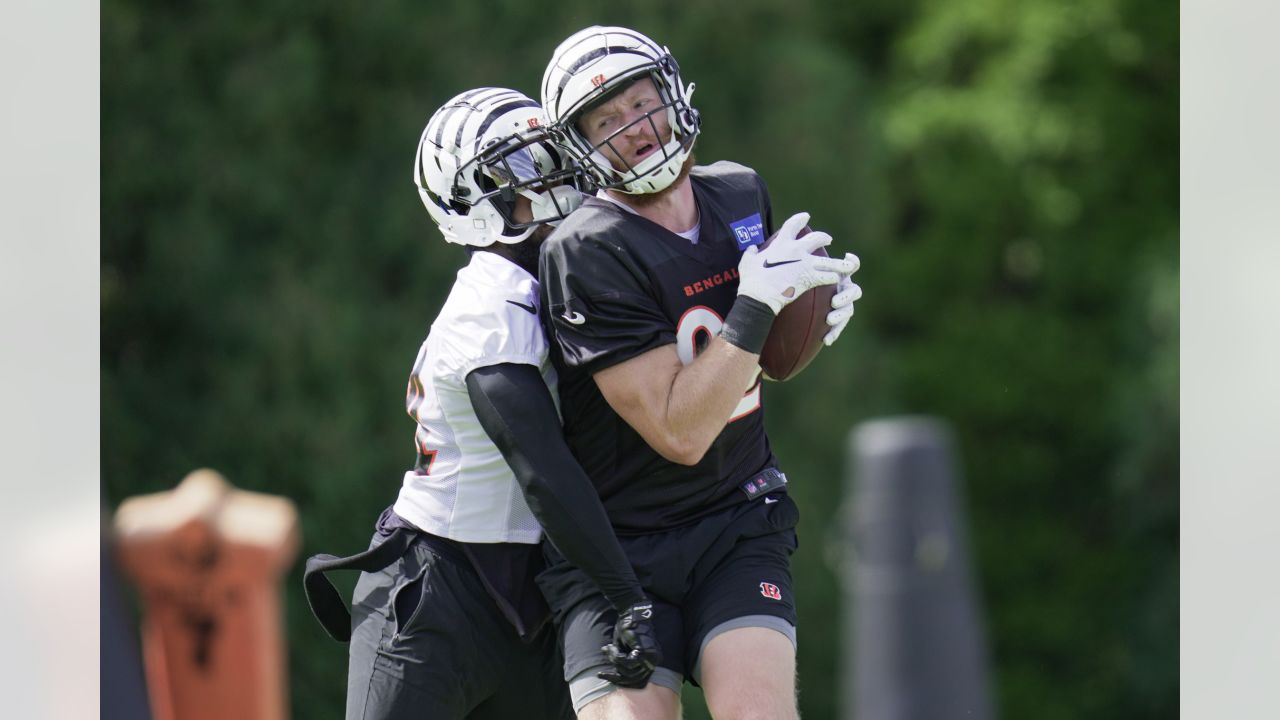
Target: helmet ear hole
{"type": "Point", "coordinates": [457, 195]}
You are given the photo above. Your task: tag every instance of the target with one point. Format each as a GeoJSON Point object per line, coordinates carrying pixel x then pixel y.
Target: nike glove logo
{"type": "Point", "coordinates": [574, 318]}
{"type": "Point", "coordinates": [532, 310]}
{"type": "Point", "coordinates": [768, 264]}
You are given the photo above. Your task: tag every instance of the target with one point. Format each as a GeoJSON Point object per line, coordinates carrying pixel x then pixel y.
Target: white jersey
{"type": "Point", "coordinates": [462, 487]}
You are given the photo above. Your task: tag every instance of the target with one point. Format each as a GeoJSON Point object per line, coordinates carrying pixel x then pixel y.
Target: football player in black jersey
{"type": "Point", "coordinates": [658, 300]}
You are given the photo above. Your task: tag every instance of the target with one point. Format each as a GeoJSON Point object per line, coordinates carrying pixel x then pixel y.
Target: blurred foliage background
{"type": "Point", "coordinates": [1006, 169]}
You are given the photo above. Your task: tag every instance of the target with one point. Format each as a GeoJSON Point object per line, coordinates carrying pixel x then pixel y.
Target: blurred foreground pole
{"type": "Point", "coordinates": [207, 560]}
{"type": "Point", "coordinates": [914, 646]}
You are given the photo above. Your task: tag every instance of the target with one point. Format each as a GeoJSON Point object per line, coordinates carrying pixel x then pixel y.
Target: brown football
{"type": "Point", "coordinates": [796, 336]}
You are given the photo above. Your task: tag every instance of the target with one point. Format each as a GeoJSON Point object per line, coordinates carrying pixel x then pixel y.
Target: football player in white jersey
{"type": "Point", "coordinates": [447, 620]}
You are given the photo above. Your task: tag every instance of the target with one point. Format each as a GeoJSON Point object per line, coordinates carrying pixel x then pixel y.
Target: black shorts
{"type": "Point", "coordinates": [428, 641]}
{"type": "Point", "coordinates": [703, 577]}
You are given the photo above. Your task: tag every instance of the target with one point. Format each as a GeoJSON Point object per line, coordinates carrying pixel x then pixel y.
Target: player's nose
{"type": "Point", "coordinates": [635, 129]}
{"type": "Point", "coordinates": [639, 126]}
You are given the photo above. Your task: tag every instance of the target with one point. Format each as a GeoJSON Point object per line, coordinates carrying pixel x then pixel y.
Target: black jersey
{"type": "Point", "coordinates": [616, 285]}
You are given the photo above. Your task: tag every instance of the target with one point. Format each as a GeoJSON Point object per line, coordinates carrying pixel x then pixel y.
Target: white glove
{"type": "Point", "coordinates": [847, 291]}
{"type": "Point", "coordinates": [783, 271]}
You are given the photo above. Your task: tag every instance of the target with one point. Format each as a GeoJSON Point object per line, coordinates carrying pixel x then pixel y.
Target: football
{"type": "Point", "coordinates": [796, 336]}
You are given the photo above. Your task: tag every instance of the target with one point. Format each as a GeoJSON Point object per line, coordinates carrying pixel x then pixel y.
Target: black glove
{"type": "Point", "coordinates": [634, 652]}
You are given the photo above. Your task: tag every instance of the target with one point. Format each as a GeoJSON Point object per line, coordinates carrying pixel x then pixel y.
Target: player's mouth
{"type": "Point", "coordinates": [646, 150]}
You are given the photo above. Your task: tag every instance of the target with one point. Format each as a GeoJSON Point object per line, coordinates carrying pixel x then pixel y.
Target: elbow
{"type": "Point", "coordinates": [683, 450]}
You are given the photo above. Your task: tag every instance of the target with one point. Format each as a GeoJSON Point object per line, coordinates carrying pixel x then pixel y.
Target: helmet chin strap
{"type": "Point", "coordinates": [506, 239]}
{"type": "Point", "coordinates": [546, 207]}
{"type": "Point", "coordinates": [549, 206]}
{"type": "Point", "coordinates": [513, 239]}
{"type": "Point", "coordinates": [656, 176]}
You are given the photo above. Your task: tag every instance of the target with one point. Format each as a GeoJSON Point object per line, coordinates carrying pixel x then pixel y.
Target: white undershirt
{"type": "Point", "coordinates": [691, 234]}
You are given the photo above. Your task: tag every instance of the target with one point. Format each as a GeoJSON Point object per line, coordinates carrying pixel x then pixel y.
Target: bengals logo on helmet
{"type": "Point", "coordinates": [770, 590]}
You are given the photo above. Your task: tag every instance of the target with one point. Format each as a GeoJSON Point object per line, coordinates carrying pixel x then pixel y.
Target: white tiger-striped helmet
{"type": "Point", "coordinates": [479, 152]}
{"type": "Point", "coordinates": [585, 70]}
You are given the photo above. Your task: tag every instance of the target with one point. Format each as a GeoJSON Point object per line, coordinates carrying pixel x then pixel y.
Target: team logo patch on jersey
{"type": "Point", "coordinates": [770, 591]}
{"type": "Point", "coordinates": [748, 231]}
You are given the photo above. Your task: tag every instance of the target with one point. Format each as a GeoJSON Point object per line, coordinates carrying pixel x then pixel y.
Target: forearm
{"type": "Point", "coordinates": [515, 408]}
{"type": "Point", "coordinates": [705, 393]}
{"type": "Point", "coordinates": [680, 409]}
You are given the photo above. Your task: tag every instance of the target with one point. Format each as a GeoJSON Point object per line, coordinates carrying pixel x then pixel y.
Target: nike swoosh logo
{"type": "Point", "coordinates": [532, 310]}
{"type": "Point", "coordinates": [768, 264]}
{"type": "Point", "coordinates": [770, 500]}
{"type": "Point", "coordinates": [574, 318]}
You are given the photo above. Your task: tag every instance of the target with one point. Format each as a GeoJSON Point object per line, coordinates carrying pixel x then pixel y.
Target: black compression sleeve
{"type": "Point", "coordinates": [516, 410]}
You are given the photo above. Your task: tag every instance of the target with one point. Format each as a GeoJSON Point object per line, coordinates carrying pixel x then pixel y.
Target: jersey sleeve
{"type": "Point", "coordinates": [598, 311]}
{"type": "Point", "coordinates": [766, 205]}
{"type": "Point", "coordinates": [493, 331]}
{"type": "Point", "coordinates": [733, 179]}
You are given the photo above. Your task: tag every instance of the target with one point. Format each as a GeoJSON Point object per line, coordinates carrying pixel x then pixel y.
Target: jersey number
{"type": "Point", "coordinates": [426, 456]}
{"type": "Point", "coordinates": [696, 328]}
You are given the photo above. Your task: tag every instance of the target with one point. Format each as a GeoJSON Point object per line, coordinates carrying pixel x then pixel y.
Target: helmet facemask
{"type": "Point", "coordinates": [525, 165]}
{"type": "Point", "coordinates": [657, 170]}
